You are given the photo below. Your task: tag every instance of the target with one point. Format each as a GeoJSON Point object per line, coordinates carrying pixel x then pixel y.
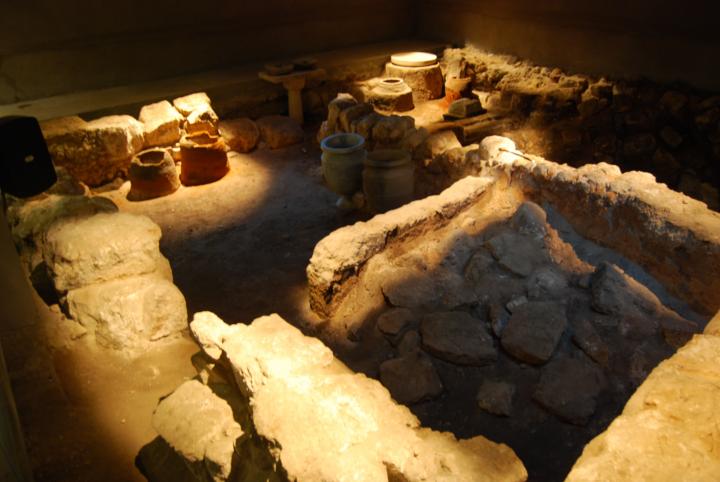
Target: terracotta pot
{"type": "Point", "coordinates": [388, 179]}
{"type": "Point", "coordinates": [203, 159]}
{"type": "Point", "coordinates": [342, 162]}
{"type": "Point", "coordinates": [152, 174]}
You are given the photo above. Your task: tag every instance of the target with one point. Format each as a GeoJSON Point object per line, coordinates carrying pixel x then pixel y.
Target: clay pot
{"type": "Point", "coordinates": [152, 174]}
{"type": "Point", "coordinates": [388, 179]}
{"type": "Point", "coordinates": [456, 88]}
{"type": "Point", "coordinates": [342, 162]}
{"type": "Point", "coordinates": [203, 159]}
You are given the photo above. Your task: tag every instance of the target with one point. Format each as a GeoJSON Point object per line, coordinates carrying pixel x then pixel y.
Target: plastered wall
{"type": "Point", "coordinates": [664, 40]}
{"type": "Point", "coordinates": [50, 47]}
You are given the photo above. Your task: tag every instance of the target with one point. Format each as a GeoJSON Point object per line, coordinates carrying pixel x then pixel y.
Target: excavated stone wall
{"type": "Point", "coordinates": [273, 404]}
{"type": "Point", "coordinates": [536, 282]}
{"type": "Point", "coordinates": [671, 130]}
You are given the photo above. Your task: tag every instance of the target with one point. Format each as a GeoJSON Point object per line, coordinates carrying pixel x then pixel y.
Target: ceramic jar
{"type": "Point", "coordinates": [152, 174]}
{"type": "Point", "coordinates": [203, 159]}
{"type": "Point", "coordinates": [388, 179]}
{"type": "Point", "coordinates": [342, 162]}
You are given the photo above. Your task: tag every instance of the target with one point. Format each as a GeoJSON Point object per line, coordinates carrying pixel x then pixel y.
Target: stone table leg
{"type": "Point", "coordinates": [294, 88]}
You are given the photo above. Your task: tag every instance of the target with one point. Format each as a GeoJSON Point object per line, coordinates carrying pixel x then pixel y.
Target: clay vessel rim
{"type": "Point", "coordinates": [191, 140]}
{"type": "Point", "coordinates": [349, 142]}
{"type": "Point", "coordinates": [149, 154]}
{"type": "Point", "coordinates": [387, 158]}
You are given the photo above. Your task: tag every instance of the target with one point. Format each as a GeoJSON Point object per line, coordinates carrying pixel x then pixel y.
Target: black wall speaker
{"type": "Point", "coordinates": [25, 165]}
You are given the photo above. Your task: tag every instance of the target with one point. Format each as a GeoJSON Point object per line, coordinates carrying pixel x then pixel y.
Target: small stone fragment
{"type": "Point", "coordinates": [516, 302]}
{"type": "Point", "coordinates": [496, 397]}
{"type": "Point", "coordinates": [586, 337]}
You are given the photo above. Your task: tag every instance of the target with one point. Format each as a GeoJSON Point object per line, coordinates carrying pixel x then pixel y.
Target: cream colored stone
{"type": "Point", "coordinates": [670, 427]}
{"type": "Point", "coordinates": [162, 124]}
{"type": "Point", "coordinates": [129, 313]}
{"type": "Point", "coordinates": [241, 135]}
{"type": "Point", "coordinates": [350, 428]}
{"type": "Point", "coordinates": [188, 103]}
{"type": "Point", "coordinates": [96, 151]}
{"type": "Point", "coordinates": [82, 251]}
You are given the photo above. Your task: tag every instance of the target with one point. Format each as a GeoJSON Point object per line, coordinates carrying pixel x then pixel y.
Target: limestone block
{"type": "Point", "coordinates": [280, 131]}
{"type": "Point", "coordinates": [96, 151]}
{"type": "Point", "coordinates": [668, 429]}
{"type": "Point", "coordinates": [202, 119]}
{"type": "Point", "coordinates": [349, 428]}
{"type": "Point", "coordinates": [426, 82]}
{"type": "Point", "coordinates": [82, 251]}
{"type": "Point", "coordinates": [335, 107]}
{"type": "Point", "coordinates": [241, 135]}
{"type": "Point", "coordinates": [129, 313]}
{"type": "Point", "coordinates": [162, 124]}
{"type": "Point", "coordinates": [189, 103]}
{"type": "Point", "coordinates": [200, 427]}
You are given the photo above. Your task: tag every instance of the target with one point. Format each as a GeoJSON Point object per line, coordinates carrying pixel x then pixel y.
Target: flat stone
{"type": "Point", "coordinates": [515, 253]}
{"type": "Point", "coordinates": [499, 317]}
{"type": "Point", "coordinates": [534, 330]}
{"type": "Point", "coordinates": [478, 265]}
{"type": "Point", "coordinates": [189, 103]}
{"type": "Point", "coordinates": [457, 337]}
{"type": "Point", "coordinates": [411, 378]}
{"type": "Point", "coordinates": [130, 312]}
{"type": "Point", "coordinates": [162, 123]}
{"type": "Point", "coordinates": [530, 219]}
{"type": "Point", "coordinates": [394, 322]}
{"type": "Point", "coordinates": [410, 287]}
{"type": "Point", "coordinates": [496, 397]}
{"type": "Point", "coordinates": [569, 389]}
{"type": "Point", "coordinates": [83, 251]}
{"type": "Point", "coordinates": [280, 131]}
{"type": "Point", "coordinates": [241, 135]}
{"type": "Point", "coordinates": [546, 283]}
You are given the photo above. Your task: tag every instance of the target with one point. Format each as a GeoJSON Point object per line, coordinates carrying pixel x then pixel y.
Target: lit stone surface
{"type": "Point", "coordinates": [189, 103]}
{"type": "Point", "coordinates": [668, 429]}
{"type": "Point", "coordinates": [413, 59]}
{"type": "Point", "coordinates": [162, 124]}
{"type": "Point", "coordinates": [426, 81]}
{"type": "Point", "coordinates": [96, 151]}
{"type": "Point", "coordinates": [103, 247]}
{"type": "Point", "coordinates": [323, 422]}
{"type": "Point", "coordinates": [241, 135]}
{"type": "Point", "coordinates": [129, 313]}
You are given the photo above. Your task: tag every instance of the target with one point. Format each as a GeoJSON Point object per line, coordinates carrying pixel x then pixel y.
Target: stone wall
{"type": "Point", "coordinates": [48, 49]}
{"type": "Point", "coordinates": [664, 40]}
{"type": "Point", "coordinates": [272, 404]}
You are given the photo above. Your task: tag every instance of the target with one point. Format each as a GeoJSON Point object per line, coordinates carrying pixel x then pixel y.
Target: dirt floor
{"type": "Point", "coordinates": [238, 247]}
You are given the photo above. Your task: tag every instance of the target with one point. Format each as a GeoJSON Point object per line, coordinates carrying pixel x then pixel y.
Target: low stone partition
{"type": "Point", "coordinates": [273, 404]}
{"type": "Point", "coordinates": [668, 429]}
{"type": "Point", "coordinates": [535, 295]}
